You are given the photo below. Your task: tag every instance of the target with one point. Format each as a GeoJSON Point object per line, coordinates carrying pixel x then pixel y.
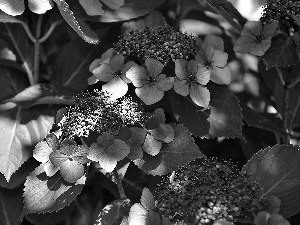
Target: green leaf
{"type": "Point", "coordinates": [47, 194]}
{"type": "Point", "coordinates": [20, 131]}
{"type": "Point", "coordinates": [131, 9]}
{"type": "Point", "coordinates": [51, 218]}
{"type": "Point", "coordinates": [281, 53]}
{"type": "Point", "coordinates": [108, 152]}
{"type": "Point", "coordinates": [177, 153]}
{"type": "Point", "coordinates": [80, 27]}
{"type": "Point", "coordinates": [4, 18]}
{"type": "Point", "coordinates": [43, 94]}
{"type": "Point", "coordinates": [276, 169]}
{"type": "Point", "coordinates": [257, 120]}
{"type": "Point", "coordinates": [147, 199]}
{"type": "Point", "coordinates": [113, 213]}
{"type": "Point", "coordinates": [187, 113]}
{"type": "Point", "coordinates": [11, 206]}
{"type": "Point", "coordinates": [73, 72]}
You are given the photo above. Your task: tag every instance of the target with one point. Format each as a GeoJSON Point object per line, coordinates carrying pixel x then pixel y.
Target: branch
{"type": "Point", "coordinates": [119, 183]}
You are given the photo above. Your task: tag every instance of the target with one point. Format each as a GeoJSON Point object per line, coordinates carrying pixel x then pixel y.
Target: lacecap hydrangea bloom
{"type": "Point", "coordinates": [96, 111]}
{"type": "Point", "coordinates": [200, 194]}
{"type": "Point", "coordinates": [160, 42]}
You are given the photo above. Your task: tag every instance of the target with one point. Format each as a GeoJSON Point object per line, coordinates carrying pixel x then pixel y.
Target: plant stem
{"type": "Point", "coordinates": [119, 184]}
{"type": "Point", "coordinates": [49, 32]}
{"type": "Point", "coordinates": [37, 47]}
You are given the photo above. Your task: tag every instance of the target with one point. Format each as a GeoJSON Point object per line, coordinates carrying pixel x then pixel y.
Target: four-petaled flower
{"type": "Point", "coordinates": [255, 39]}
{"type": "Point", "coordinates": [150, 83]}
{"type": "Point", "coordinates": [112, 70]}
{"type": "Point", "coordinates": [67, 157]}
{"type": "Point", "coordinates": [17, 7]}
{"type": "Point", "coordinates": [213, 57]}
{"type": "Point", "coordinates": [190, 79]}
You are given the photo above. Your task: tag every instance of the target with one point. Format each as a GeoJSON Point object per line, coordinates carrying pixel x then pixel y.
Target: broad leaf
{"type": "Point", "coordinates": [4, 18]}
{"type": "Point", "coordinates": [187, 113]}
{"type": "Point", "coordinates": [43, 94]}
{"type": "Point", "coordinates": [47, 194]}
{"type": "Point", "coordinates": [177, 153]}
{"type": "Point", "coordinates": [276, 169]}
{"type": "Point", "coordinates": [131, 9]}
{"type": "Point", "coordinates": [257, 120]}
{"type": "Point", "coordinates": [20, 131]}
{"type": "Point", "coordinates": [11, 206]}
{"type": "Point", "coordinates": [80, 27]}
{"type": "Point", "coordinates": [113, 213]}
{"type": "Point", "coordinates": [73, 72]}
{"type": "Point", "coordinates": [281, 53]}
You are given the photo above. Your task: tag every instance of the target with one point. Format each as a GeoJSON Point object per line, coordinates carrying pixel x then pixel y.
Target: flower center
{"type": "Point", "coordinates": [208, 63]}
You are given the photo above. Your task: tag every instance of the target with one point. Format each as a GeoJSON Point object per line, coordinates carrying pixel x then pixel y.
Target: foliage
{"type": "Point", "coordinates": [110, 112]}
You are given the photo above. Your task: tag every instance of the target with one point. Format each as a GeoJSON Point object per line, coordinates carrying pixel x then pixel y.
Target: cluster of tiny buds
{"type": "Point", "coordinates": [200, 194]}
{"type": "Point", "coordinates": [96, 111]}
{"type": "Point", "coordinates": [160, 42]}
{"type": "Point", "coordinates": [280, 10]}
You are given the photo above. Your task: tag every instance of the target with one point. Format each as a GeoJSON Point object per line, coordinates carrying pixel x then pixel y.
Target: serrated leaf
{"type": "Point", "coordinates": [257, 120]}
{"type": "Point", "coordinates": [189, 115]}
{"type": "Point", "coordinates": [11, 206]}
{"type": "Point", "coordinates": [47, 194]}
{"type": "Point", "coordinates": [177, 153]}
{"type": "Point", "coordinates": [43, 94]}
{"type": "Point", "coordinates": [147, 199]}
{"type": "Point", "coordinates": [276, 169]}
{"type": "Point", "coordinates": [20, 131]}
{"type": "Point", "coordinates": [281, 53]}
{"type": "Point", "coordinates": [80, 27]}
{"type": "Point", "coordinates": [73, 72]}
{"type": "Point", "coordinates": [113, 213]}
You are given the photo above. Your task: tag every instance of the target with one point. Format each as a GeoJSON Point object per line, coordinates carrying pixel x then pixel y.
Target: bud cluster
{"type": "Point", "coordinates": [96, 111]}
{"type": "Point", "coordinates": [280, 10]}
{"type": "Point", "coordinates": [160, 42]}
{"type": "Point", "coordinates": [201, 194]}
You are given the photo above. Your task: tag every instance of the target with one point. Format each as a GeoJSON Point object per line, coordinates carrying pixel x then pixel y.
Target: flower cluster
{"type": "Point", "coordinates": [160, 42]}
{"type": "Point", "coordinates": [96, 111]}
{"type": "Point", "coordinates": [203, 193]}
{"type": "Point", "coordinates": [280, 10]}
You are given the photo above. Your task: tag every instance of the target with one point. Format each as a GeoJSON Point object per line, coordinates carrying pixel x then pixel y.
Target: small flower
{"type": "Point", "coordinates": [190, 79]}
{"type": "Point", "coordinates": [160, 42]}
{"type": "Point", "coordinates": [17, 7]}
{"type": "Point", "coordinates": [111, 69]}
{"type": "Point", "coordinates": [255, 39]}
{"type": "Point", "coordinates": [212, 57]}
{"type": "Point", "coordinates": [206, 192]}
{"type": "Point", "coordinates": [150, 84]}
{"type": "Point", "coordinates": [67, 157]}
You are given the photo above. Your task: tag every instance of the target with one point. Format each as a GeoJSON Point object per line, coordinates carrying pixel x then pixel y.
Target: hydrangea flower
{"type": "Point", "coordinates": [190, 80]}
{"type": "Point", "coordinates": [255, 39]}
{"type": "Point", "coordinates": [17, 7]}
{"type": "Point", "coordinates": [94, 7]}
{"type": "Point", "coordinates": [206, 192]}
{"type": "Point", "coordinates": [67, 157]}
{"type": "Point", "coordinates": [213, 57]}
{"type": "Point", "coordinates": [150, 83]}
{"type": "Point", "coordinates": [111, 69]}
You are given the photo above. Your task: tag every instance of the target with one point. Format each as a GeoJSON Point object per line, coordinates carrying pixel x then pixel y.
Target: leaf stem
{"type": "Point", "coordinates": [119, 184]}
{"type": "Point", "coordinates": [37, 49]}
{"type": "Point", "coordinates": [49, 32]}
{"type": "Point", "coordinates": [28, 32]}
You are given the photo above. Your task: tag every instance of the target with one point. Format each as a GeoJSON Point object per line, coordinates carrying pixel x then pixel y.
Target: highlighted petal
{"type": "Point", "coordinates": [50, 169]}
{"type": "Point", "coordinates": [40, 6]}
{"type": "Point", "coordinates": [104, 72]}
{"type": "Point", "coordinates": [137, 75]}
{"type": "Point", "coordinates": [117, 87]}
{"type": "Point", "coordinates": [200, 95]}
{"type": "Point", "coordinates": [202, 75]}
{"type": "Point", "coordinates": [42, 152]}
{"type": "Point", "coordinates": [149, 94]}
{"type": "Point", "coordinates": [71, 171]}
{"type": "Point", "coordinates": [92, 80]}
{"type": "Point", "coordinates": [220, 75]}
